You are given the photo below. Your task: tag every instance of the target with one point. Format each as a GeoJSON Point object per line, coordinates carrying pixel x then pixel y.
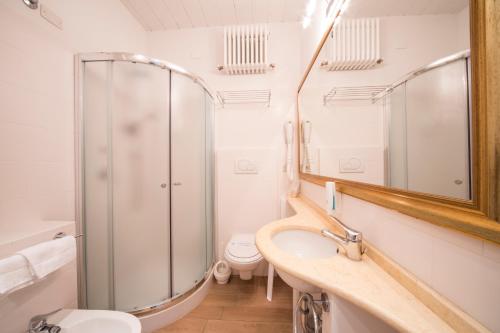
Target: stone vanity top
{"type": "Point", "coordinates": [364, 283]}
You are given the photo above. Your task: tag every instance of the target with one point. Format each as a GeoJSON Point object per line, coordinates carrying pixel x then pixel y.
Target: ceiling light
{"type": "Point", "coordinates": [311, 6]}
{"type": "Point", "coordinates": [336, 7]}
{"type": "Point", "coordinates": [344, 7]}
{"type": "Point", "coordinates": [306, 21]}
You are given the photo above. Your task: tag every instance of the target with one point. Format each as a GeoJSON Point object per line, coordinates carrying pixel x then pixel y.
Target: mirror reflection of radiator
{"type": "Point", "coordinates": [353, 44]}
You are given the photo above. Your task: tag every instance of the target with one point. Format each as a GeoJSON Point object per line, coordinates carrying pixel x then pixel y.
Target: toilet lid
{"type": "Point", "coordinates": [243, 246]}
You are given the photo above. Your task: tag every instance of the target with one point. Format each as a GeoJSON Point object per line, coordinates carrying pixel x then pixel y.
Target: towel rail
{"type": "Point", "coordinates": [33, 277]}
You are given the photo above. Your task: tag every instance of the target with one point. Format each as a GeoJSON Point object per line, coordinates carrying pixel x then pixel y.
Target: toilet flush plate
{"type": "Point", "coordinates": [245, 166]}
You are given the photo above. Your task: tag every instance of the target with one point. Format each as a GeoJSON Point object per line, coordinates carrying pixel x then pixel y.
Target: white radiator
{"type": "Point", "coordinates": [246, 49]}
{"type": "Point", "coordinates": [353, 44]}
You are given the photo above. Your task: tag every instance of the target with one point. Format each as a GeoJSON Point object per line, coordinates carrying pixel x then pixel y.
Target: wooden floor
{"type": "Point", "coordinates": [240, 307]}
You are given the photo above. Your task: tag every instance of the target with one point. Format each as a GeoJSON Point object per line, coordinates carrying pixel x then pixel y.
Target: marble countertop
{"type": "Point", "coordinates": [363, 283]}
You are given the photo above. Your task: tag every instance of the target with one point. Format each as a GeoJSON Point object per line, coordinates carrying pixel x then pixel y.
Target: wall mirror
{"type": "Point", "coordinates": [390, 108]}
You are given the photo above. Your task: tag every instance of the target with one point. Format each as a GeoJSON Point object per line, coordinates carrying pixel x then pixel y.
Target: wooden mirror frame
{"type": "Point", "coordinates": [476, 217]}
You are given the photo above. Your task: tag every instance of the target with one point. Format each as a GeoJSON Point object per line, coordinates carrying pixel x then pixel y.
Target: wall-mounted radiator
{"type": "Point", "coordinates": [246, 49]}
{"type": "Point", "coordinates": [353, 44]}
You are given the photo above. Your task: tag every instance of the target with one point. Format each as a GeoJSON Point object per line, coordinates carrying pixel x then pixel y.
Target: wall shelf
{"type": "Point", "coordinates": [361, 93]}
{"type": "Point", "coordinates": [235, 97]}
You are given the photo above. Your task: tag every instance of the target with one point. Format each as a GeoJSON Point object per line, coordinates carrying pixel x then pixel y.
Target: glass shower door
{"type": "Point", "coordinates": [438, 100]}
{"type": "Point", "coordinates": [147, 183]}
{"type": "Point", "coordinates": [397, 159]}
{"type": "Point", "coordinates": [188, 167]}
{"type": "Point", "coordinates": [209, 179]}
{"type": "Point", "coordinates": [126, 176]}
{"type": "Point", "coordinates": [97, 185]}
{"type": "Point", "coordinates": [140, 143]}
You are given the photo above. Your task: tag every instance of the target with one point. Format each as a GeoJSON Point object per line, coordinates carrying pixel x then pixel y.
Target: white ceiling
{"type": "Point", "coordinates": [178, 14]}
{"type": "Point", "coordinates": [374, 8]}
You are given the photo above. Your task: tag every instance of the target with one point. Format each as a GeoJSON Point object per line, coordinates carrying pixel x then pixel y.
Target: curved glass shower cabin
{"type": "Point", "coordinates": [145, 178]}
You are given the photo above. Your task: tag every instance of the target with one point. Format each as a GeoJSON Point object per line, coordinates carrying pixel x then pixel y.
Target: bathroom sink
{"type": "Point", "coordinates": [304, 245]}
{"type": "Point", "coordinates": [96, 321]}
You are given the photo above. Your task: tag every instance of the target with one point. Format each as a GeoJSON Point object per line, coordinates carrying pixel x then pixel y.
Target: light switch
{"type": "Point", "coordinates": [245, 166]}
{"type": "Point", "coordinates": [351, 165]}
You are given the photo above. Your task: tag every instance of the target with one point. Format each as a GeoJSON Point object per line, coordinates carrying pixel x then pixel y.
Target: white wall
{"type": "Point", "coordinates": [311, 35]}
{"type": "Point", "coordinates": [463, 29]}
{"type": "Point", "coordinates": [36, 122]}
{"type": "Point", "coordinates": [461, 268]}
{"type": "Point", "coordinates": [36, 93]}
{"type": "Point", "coordinates": [56, 290]}
{"type": "Point", "coordinates": [346, 317]}
{"type": "Point", "coordinates": [245, 202]}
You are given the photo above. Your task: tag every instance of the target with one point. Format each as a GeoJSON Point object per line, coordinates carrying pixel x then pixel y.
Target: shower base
{"type": "Point", "coordinates": [177, 308]}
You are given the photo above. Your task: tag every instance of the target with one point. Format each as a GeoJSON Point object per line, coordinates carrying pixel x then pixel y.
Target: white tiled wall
{"type": "Point", "coordinates": [55, 291]}
{"type": "Point", "coordinates": [36, 125]}
{"type": "Point", "coordinates": [246, 202]}
{"type": "Point", "coordinates": [463, 269]}
{"type": "Point", "coordinates": [36, 99]}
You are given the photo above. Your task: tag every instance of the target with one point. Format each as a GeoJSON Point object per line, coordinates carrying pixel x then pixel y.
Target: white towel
{"type": "Point", "coordinates": [47, 257]}
{"type": "Point", "coordinates": [14, 273]}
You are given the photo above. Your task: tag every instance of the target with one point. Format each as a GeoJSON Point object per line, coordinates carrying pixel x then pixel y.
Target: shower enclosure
{"type": "Point", "coordinates": [428, 117]}
{"type": "Point", "coordinates": [145, 178]}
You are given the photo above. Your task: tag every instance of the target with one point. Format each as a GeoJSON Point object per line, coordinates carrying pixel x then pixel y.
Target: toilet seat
{"type": "Point", "coordinates": [241, 248]}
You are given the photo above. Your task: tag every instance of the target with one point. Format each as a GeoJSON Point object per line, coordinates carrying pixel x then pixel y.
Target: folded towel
{"type": "Point", "coordinates": [46, 257]}
{"type": "Point", "coordinates": [14, 273]}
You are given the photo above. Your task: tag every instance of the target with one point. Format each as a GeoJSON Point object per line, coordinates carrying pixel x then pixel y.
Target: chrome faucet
{"type": "Point", "coordinates": [38, 324]}
{"type": "Point", "coordinates": [352, 242]}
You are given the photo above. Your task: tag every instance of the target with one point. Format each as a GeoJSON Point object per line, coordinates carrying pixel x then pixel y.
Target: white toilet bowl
{"type": "Point", "coordinates": [242, 255]}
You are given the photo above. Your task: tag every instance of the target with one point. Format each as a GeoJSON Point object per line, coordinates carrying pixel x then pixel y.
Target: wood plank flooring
{"type": "Point", "coordinates": [240, 307]}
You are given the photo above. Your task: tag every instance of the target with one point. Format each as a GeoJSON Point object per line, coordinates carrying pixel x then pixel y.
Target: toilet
{"type": "Point", "coordinates": [242, 254]}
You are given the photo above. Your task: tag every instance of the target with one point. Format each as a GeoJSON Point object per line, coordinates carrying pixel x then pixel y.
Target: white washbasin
{"type": "Point", "coordinates": [95, 321]}
{"type": "Point", "coordinates": [304, 245]}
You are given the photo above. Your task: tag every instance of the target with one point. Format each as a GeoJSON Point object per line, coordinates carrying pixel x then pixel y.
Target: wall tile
{"type": "Point", "coordinates": [37, 131]}
{"type": "Point", "coordinates": [491, 251]}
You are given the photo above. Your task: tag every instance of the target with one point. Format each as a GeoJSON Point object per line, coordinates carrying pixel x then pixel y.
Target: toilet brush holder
{"type": "Point", "coordinates": [222, 272]}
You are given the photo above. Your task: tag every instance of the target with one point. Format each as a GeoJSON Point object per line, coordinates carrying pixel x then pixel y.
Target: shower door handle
{"type": "Point", "coordinates": [177, 183]}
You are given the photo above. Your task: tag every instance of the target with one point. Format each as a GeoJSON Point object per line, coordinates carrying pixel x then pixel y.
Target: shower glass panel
{"type": "Point", "coordinates": [397, 138]}
{"type": "Point", "coordinates": [146, 175]}
{"type": "Point", "coordinates": [98, 229]}
{"type": "Point", "coordinates": [209, 180]}
{"type": "Point", "coordinates": [188, 180]}
{"type": "Point", "coordinates": [435, 100]}
{"type": "Point", "coordinates": [418, 111]}
{"type": "Point", "coordinates": [140, 157]}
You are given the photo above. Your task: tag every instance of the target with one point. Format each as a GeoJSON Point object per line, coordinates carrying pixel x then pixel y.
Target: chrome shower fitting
{"type": "Point", "coordinates": [33, 4]}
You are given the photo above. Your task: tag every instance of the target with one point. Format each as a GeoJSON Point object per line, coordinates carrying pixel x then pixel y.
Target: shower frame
{"type": "Point", "coordinates": [79, 61]}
